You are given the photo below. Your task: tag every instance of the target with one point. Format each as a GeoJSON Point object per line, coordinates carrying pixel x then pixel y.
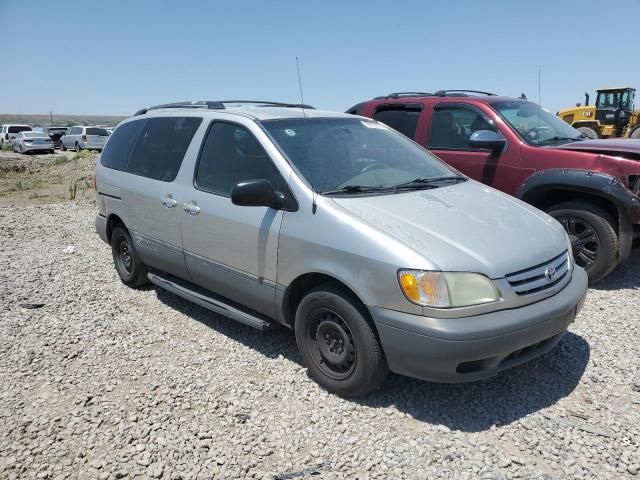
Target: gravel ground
{"type": "Point", "coordinates": [107, 382]}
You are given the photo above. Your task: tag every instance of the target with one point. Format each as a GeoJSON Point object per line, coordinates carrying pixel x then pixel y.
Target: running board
{"type": "Point", "coordinates": [208, 302]}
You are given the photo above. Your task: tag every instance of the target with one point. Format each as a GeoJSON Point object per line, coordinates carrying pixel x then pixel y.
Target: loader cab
{"type": "Point", "coordinates": [614, 107]}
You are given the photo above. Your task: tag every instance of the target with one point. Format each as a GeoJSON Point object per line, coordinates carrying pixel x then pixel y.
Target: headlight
{"type": "Point", "coordinates": [570, 250]}
{"type": "Point", "coordinates": [447, 289]}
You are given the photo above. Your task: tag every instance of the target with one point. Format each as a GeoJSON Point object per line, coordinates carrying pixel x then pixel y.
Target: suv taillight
{"type": "Point", "coordinates": [84, 138]}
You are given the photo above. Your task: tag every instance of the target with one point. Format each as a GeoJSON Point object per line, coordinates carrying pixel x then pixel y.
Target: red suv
{"type": "Point", "coordinates": [591, 186]}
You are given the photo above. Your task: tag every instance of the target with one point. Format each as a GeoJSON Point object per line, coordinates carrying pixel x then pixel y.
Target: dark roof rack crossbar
{"type": "Point", "coordinates": [219, 105]}
{"type": "Point", "coordinates": [404, 94]}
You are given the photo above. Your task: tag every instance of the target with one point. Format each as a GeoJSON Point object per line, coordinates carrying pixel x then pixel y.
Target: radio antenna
{"type": "Point", "coordinates": [314, 205]}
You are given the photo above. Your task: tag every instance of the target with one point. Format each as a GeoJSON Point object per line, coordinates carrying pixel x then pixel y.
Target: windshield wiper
{"type": "Point", "coordinates": [354, 189]}
{"type": "Point", "coordinates": [429, 182]}
{"type": "Point", "coordinates": [558, 138]}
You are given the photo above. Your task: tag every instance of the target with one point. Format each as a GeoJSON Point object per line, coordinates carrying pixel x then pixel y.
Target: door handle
{"type": "Point", "coordinates": [169, 201]}
{"type": "Point", "coordinates": [191, 208]}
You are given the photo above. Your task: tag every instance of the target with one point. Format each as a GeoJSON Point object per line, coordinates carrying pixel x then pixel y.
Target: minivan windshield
{"type": "Point", "coordinates": [536, 125]}
{"type": "Point", "coordinates": [353, 155]}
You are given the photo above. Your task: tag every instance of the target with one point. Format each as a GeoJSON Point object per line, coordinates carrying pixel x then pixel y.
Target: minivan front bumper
{"type": "Point", "coordinates": [471, 348]}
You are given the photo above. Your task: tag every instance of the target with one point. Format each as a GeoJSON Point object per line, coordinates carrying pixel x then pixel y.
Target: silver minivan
{"type": "Point", "coordinates": [84, 138]}
{"type": "Point", "coordinates": [374, 252]}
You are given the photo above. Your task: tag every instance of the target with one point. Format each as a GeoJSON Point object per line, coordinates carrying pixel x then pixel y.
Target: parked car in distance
{"type": "Point", "coordinates": [378, 255]}
{"type": "Point", "coordinates": [54, 133]}
{"type": "Point", "coordinates": [84, 138]}
{"type": "Point", "coordinates": [516, 146]}
{"type": "Point", "coordinates": [9, 131]}
{"type": "Point", "coordinates": [29, 142]}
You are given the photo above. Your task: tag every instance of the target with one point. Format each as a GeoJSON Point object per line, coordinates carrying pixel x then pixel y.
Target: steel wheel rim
{"type": "Point", "coordinates": [585, 242]}
{"type": "Point", "coordinates": [125, 256]}
{"type": "Point", "coordinates": [331, 344]}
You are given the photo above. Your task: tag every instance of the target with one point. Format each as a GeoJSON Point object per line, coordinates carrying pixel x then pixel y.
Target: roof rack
{"type": "Point", "coordinates": [219, 105]}
{"type": "Point", "coordinates": [404, 94]}
{"type": "Point", "coordinates": [461, 93]}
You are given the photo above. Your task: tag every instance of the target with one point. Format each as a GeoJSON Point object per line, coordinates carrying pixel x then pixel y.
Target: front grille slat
{"type": "Point", "coordinates": [534, 279]}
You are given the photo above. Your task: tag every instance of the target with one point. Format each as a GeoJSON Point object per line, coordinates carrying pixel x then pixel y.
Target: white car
{"type": "Point", "coordinates": [27, 142]}
{"type": "Point", "coordinates": [9, 132]}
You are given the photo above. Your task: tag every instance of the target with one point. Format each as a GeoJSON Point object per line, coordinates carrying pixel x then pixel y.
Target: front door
{"type": "Point", "coordinates": [229, 249]}
{"type": "Point", "coordinates": [451, 127]}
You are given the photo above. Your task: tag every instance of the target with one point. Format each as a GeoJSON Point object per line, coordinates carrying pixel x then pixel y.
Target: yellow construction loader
{"type": "Point", "coordinates": [612, 116]}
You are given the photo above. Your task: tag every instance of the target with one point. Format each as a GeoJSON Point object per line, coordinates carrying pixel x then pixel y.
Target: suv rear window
{"type": "Point", "coordinates": [400, 118]}
{"type": "Point", "coordinates": [161, 146]}
{"type": "Point", "coordinates": [19, 129]}
{"type": "Point", "coordinates": [97, 131]}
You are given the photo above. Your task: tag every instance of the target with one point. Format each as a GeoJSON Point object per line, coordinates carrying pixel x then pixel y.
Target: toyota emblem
{"type": "Point", "coordinates": [550, 273]}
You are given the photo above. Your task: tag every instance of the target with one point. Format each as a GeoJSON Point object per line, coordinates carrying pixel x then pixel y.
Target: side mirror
{"type": "Point", "coordinates": [254, 193]}
{"type": "Point", "coordinates": [488, 140]}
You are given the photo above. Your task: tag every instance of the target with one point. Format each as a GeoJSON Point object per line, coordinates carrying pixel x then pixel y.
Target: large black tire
{"type": "Point", "coordinates": [338, 345]}
{"type": "Point", "coordinates": [593, 236]}
{"type": "Point", "coordinates": [77, 148]}
{"type": "Point", "coordinates": [635, 133]}
{"type": "Point", "coordinates": [62, 147]}
{"type": "Point", "coordinates": [589, 132]}
{"type": "Point", "coordinates": [130, 268]}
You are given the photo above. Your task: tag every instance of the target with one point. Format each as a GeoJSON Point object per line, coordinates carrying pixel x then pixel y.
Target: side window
{"type": "Point", "coordinates": [403, 118]}
{"type": "Point", "coordinates": [118, 149]}
{"type": "Point", "coordinates": [451, 127]}
{"type": "Point", "coordinates": [161, 146]}
{"type": "Point", "coordinates": [231, 154]}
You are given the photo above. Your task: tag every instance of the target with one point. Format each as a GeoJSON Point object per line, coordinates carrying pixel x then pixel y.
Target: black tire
{"type": "Point", "coordinates": [589, 132]}
{"type": "Point", "coordinates": [635, 133]}
{"type": "Point", "coordinates": [62, 147]}
{"type": "Point", "coordinates": [77, 148]}
{"type": "Point", "coordinates": [132, 271]}
{"type": "Point", "coordinates": [349, 361]}
{"type": "Point", "coordinates": [593, 236]}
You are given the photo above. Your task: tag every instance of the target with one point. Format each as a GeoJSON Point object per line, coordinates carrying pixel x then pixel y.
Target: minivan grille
{"type": "Point", "coordinates": [541, 277]}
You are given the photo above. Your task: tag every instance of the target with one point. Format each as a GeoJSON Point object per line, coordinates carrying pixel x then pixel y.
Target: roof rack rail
{"type": "Point", "coordinates": [404, 94]}
{"type": "Point", "coordinates": [462, 93]}
{"type": "Point", "coordinates": [219, 105]}
{"type": "Point", "coordinates": [267, 103]}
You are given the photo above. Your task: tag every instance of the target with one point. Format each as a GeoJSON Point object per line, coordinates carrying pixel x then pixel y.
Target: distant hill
{"type": "Point", "coordinates": [60, 120]}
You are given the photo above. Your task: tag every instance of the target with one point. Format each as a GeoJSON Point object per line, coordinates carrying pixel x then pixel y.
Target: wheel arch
{"type": "Point", "coordinates": [113, 220]}
{"type": "Point", "coordinates": [550, 187]}
{"type": "Point", "coordinates": [290, 297]}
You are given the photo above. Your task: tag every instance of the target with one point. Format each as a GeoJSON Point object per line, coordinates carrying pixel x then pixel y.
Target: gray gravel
{"type": "Point", "coordinates": [107, 382]}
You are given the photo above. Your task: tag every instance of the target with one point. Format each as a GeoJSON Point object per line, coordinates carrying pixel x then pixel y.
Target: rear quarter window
{"type": "Point", "coordinates": [97, 131]}
{"type": "Point", "coordinates": [118, 150]}
{"type": "Point", "coordinates": [161, 146]}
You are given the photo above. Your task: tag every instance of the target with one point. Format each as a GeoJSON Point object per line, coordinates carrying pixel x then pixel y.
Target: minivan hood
{"type": "Point", "coordinates": [464, 227]}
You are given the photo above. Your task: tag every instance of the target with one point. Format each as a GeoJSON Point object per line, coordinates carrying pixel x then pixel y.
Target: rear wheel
{"type": "Point", "coordinates": [77, 148]}
{"type": "Point", "coordinates": [130, 268]}
{"type": "Point", "coordinates": [62, 147]}
{"type": "Point", "coordinates": [589, 132]}
{"type": "Point", "coordinates": [593, 237]}
{"type": "Point", "coordinates": [635, 133]}
{"type": "Point", "coordinates": [338, 345]}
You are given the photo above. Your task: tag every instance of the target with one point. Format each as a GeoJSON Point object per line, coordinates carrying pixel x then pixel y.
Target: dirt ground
{"type": "Point", "coordinates": [37, 179]}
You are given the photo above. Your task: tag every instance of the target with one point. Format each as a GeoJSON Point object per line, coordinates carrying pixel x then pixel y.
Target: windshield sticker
{"type": "Point", "coordinates": [373, 125]}
{"type": "Point", "coordinates": [290, 132]}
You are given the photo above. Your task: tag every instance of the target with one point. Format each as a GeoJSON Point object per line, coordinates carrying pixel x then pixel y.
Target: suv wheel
{"type": "Point", "coordinates": [338, 346]}
{"type": "Point", "coordinates": [589, 132]}
{"type": "Point", "coordinates": [77, 148]}
{"type": "Point", "coordinates": [132, 271]}
{"type": "Point", "coordinates": [593, 237]}
{"type": "Point", "coordinates": [62, 147]}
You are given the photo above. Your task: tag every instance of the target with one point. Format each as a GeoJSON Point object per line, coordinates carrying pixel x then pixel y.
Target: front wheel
{"type": "Point", "coordinates": [130, 268]}
{"type": "Point", "coordinates": [62, 147]}
{"type": "Point", "coordinates": [594, 240]}
{"type": "Point", "coordinates": [589, 132]}
{"type": "Point", "coordinates": [338, 345]}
